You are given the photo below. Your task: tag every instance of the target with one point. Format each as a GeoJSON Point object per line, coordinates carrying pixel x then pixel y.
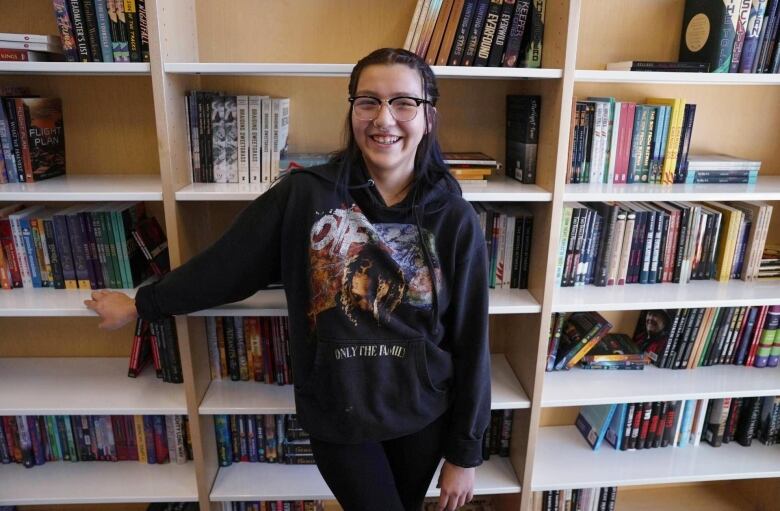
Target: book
{"type": "Point", "coordinates": [593, 421]}
{"type": "Point", "coordinates": [522, 136]}
{"type": "Point", "coordinates": [709, 30]}
{"type": "Point", "coordinates": [666, 67]}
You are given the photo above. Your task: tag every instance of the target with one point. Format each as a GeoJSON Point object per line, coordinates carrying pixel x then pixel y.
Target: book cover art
{"type": "Point", "coordinates": [231, 138]}
{"type": "Point", "coordinates": [709, 29]}
{"type": "Point", "coordinates": [46, 136]}
{"type": "Point", "coordinates": [653, 331]}
{"type": "Point", "coordinates": [152, 242]}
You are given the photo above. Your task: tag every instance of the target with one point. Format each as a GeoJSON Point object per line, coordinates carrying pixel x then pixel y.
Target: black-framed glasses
{"type": "Point", "coordinates": [402, 108]}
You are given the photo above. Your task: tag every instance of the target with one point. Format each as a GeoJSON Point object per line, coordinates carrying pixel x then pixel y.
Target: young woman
{"type": "Point", "coordinates": [384, 269]}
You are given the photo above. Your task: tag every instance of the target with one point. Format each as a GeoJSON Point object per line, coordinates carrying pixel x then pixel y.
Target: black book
{"type": "Point", "coordinates": [681, 168]}
{"type": "Point", "coordinates": [502, 33]}
{"type": "Point", "coordinates": [472, 43]}
{"type": "Point", "coordinates": [91, 26]}
{"type": "Point", "coordinates": [690, 338]}
{"type": "Point", "coordinates": [231, 349]}
{"type": "Point", "coordinates": [748, 420]}
{"type": "Point", "coordinates": [522, 136]}
{"type": "Point", "coordinates": [133, 30]}
{"type": "Point", "coordinates": [79, 30]}
{"type": "Point", "coordinates": [485, 43]}
{"type": "Point", "coordinates": [517, 28]}
{"type": "Point", "coordinates": [462, 33]}
{"type": "Point", "coordinates": [143, 27]}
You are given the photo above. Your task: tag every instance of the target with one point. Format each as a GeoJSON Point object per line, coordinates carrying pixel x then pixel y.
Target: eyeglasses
{"type": "Point", "coordinates": [402, 108]}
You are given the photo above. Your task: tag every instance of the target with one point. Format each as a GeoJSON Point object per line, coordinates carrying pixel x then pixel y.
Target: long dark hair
{"type": "Point", "coordinates": [429, 166]}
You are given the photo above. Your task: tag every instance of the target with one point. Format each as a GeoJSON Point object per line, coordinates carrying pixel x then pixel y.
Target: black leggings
{"type": "Point", "coordinates": [393, 475]}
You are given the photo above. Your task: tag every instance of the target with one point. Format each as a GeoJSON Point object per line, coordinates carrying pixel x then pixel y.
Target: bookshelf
{"type": "Point", "coordinates": [126, 140]}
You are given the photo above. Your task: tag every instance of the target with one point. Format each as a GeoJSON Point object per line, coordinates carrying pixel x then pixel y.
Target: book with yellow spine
{"type": "Point", "coordinates": [673, 139]}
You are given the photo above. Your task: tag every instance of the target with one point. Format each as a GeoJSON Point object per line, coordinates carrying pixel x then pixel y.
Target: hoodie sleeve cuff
{"type": "Point", "coordinates": [145, 304]}
{"type": "Point", "coordinates": [464, 453]}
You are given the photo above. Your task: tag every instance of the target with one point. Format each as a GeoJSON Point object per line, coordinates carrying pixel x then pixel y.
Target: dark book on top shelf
{"type": "Point", "coordinates": [709, 30]}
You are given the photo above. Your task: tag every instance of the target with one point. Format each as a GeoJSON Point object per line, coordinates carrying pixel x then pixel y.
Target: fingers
{"type": "Point", "coordinates": [442, 502]}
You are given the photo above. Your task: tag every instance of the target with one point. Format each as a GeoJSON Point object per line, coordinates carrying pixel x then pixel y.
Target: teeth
{"type": "Point", "coordinates": [385, 140]}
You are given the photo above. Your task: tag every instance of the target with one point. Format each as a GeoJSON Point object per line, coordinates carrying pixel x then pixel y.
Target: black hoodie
{"type": "Point", "coordinates": [379, 351]}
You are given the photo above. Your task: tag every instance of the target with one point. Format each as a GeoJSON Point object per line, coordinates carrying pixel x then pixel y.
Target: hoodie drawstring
{"type": "Point", "coordinates": [429, 262]}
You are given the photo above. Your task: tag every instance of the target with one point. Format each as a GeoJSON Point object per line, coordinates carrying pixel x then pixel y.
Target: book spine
{"type": "Point", "coordinates": [254, 142]}
{"type": "Point", "coordinates": [91, 28]}
{"type": "Point", "coordinates": [743, 12]}
{"type": "Point", "coordinates": [502, 34]}
{"type": "Point", "coordinates": [532, 54]}
{"type": "Point", "coordinates": [69, 48]}
{"type": "Point", "coordinates": [480, 15]}
{"type": "Point", "coordinates": [517, 30]}
{"type": "Point", "coordinates": [123, 31]}
{"type": "Point", "coordinates": [462, 33]}
{"type": "Point", "coordinates": [104, 32]}
{"type": "Point", "coordinates": [58, 278]}
{"type": "Point", "coordinates": [133, 30]}
{"type": "Point", "coordinates": [22, 123]}
{"type": "Point", "coordinates": [143, 28]}
{"type": "Point", "coordinates": [752, 32]}
{"type": "Point", "coordinates": [242, 108]}
{"type": "Point", "coordinates": [485, 43]}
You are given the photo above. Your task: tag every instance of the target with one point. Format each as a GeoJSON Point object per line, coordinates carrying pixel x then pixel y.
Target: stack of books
{"type": "Point", "coordinates": [660, 66]}
{"type": "Point", "coordinates": [276, 505]}
{"type": "Point", "coordinates": [156, 342]}
{"type": "Point", "coordinates": [492, 33]}
{"type": "Point", "coordinates": [498, 435]}
{"type": "Point", "coordinates": [471, 167]}
{"type": "Point", "coordinates": [722, 169]}
{"type": "Point", "coordinates": [769, 268]}
{"type": "Point", "coordinates": [574, 336]}
{"type": "Point", "coordinates": [29, 47]}
{"type": "Point", "coordinates": [508, 232]}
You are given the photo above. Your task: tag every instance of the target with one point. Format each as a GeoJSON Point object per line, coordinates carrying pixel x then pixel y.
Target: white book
{"type": "Point", "coordinates": [281, 129]}
{"type": "Point", "coordinates": [48, 48]}
{"type": "Point", "coordinates": [218, 148]}
{"type": "Point", "coordinates": [170, 438]}
{"type": "Point", "coordinates": [242, 107]}
{"type": "Point", "coordinates": [53, 40]}
{"type": "Point", "coordinates": [266, 138]}
{"type": "Point", "coordinates": [613, 148]}
{"type": "Point", "coordinates": [255, 161]}
{"type": "Point", "coordinates": [698, 421]}
{"type": "Point", "coordinates": [509, 246]}
{"type": "Point", "coordinates": [181, 449]}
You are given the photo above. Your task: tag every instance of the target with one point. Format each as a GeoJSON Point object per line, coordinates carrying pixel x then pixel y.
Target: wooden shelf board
{"type": "Point", "coordinates": [596, 76]}
{"type": "Point", "coordinates": [563, 459]}
{"type": "Point", "coordinates": [249, 397]}
{"type": "Point", "coordinates": [76, 187]}
{"type": "Point", "coordinates": [273, 303]}
{"type": "Point", "coordinates": [47, 302]}
{"type": "Point", "coordinates": [498, 188]}
{"type": "Point", "coordinates": [92, 482]}
{"type": "Point", "coordinates": [343, 70]}
{"type": "Point", "coordinates": [767, 188]}
{"type": "Point", "coordinates": [704, 293]}
{"type": "Point", "coordinates": [272, 481]}
{"type": "Point", "coordinates": [584, 387]}
{"type": "Point", "coordinates": [698, 497]}
{"type": "Point", "coordinates": [76, 68]}
{"type": "Point", "coordinates": [84, 386]}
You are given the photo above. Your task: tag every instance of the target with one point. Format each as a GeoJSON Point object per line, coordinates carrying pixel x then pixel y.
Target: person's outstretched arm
{"type": "Point", "coordinates": [246, 258]}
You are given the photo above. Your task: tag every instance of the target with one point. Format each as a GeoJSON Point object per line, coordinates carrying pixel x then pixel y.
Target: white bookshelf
{"type": "Point", "coordinates": [240, 481]}
{"type": "Point", "coordinates": [84, 386]}
{"type": "Point", "coordinates": [579, 387]}
{"type": "Point", "coordinates": [702, 293]}
{"type": "Point", "coordinates": [75, 68]}
{"type": "Point", "coordinates": [96, 482]}
{"type": "Point", "coordinates": [653, 77]}
{"type": "Point", "coordinates": [343, 70]}
{"type": "Point", "coordinates": [496, 189]}
{"type": "Point", "coordinates": [249, 397]}
{"type": "Point", "coordinates": [78, 187]}
{"type": "Point", "coordinates": [767, 188]}
{"type": "Point", "coordinates": [47, 302]}
{"type": "Point", "coordinates": [273, 303]}
{"type": "Point", "coordinates": [565, 460]}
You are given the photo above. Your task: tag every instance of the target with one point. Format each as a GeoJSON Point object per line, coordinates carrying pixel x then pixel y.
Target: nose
{"type": "Point", "coordinates": [384, 117]}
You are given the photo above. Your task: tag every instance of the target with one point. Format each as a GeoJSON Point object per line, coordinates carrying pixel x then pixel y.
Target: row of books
{"type": "Point", "coordinates": [498, 435]}
{"type": "Point", "coordinates": [578, 499]}
{"type": "Point", "coordinates": [614, 141]}
{"type": "Point", "coordinates": [582, 337]}
{"type": "Point", "coordinates": [103, 30]}
{"type": "Point", "coordinates": [494, 33]}
{"type": "Point", "coordinates": [236, 139]}
{"type": "Point", "coordinates": [732, 35]}
{"type": "Point", "coordinates": [32, 136]}
{"type": "Point", "coordinates": [649, 425]}
{"type": "Point", "coordinates": [249, 348]}
{"type": "Point", "coordinates": [508, 233]}
{"type": "Point", "coordinates": [262, 438]}
{"type": "Point", "coordinates": [29, 47]}
{"type": "Point", "coordinates": [691, 338]}
{"type": "Point", "coordinates": [84, 246]}
{"type": "Point", "coordinates": [476, 504]}
{"type": "Point", "coordinates": [156, 342]}
{"type": "Point", "coordinates": [616, 243]}
{"type": "Point", "coordinates": [35, 439]}
{"type": "Point", "coordinates": [276, 505]}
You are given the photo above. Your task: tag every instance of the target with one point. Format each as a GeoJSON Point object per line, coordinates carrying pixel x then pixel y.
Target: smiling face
{"type": "Point", "coordinates": [389, 146]}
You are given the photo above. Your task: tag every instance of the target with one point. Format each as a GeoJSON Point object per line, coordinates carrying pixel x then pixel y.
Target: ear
{"type": "Point", "coordinates": [432, 113]}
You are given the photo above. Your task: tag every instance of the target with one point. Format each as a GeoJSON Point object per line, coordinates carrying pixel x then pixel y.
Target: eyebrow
{"type": "Point", "coordinates": [393, 95]}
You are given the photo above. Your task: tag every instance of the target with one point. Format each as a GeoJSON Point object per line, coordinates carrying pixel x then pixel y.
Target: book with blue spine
{"type": "Point", "coordinates": [593, 421]}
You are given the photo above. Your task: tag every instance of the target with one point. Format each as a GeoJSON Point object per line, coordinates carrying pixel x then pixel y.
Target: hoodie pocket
{"type": "Point", "coordinates": [378, 381]}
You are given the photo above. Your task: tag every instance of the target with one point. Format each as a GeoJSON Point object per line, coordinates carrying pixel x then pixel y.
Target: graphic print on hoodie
{"type": "Point", "coordinates": [357, 265]}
